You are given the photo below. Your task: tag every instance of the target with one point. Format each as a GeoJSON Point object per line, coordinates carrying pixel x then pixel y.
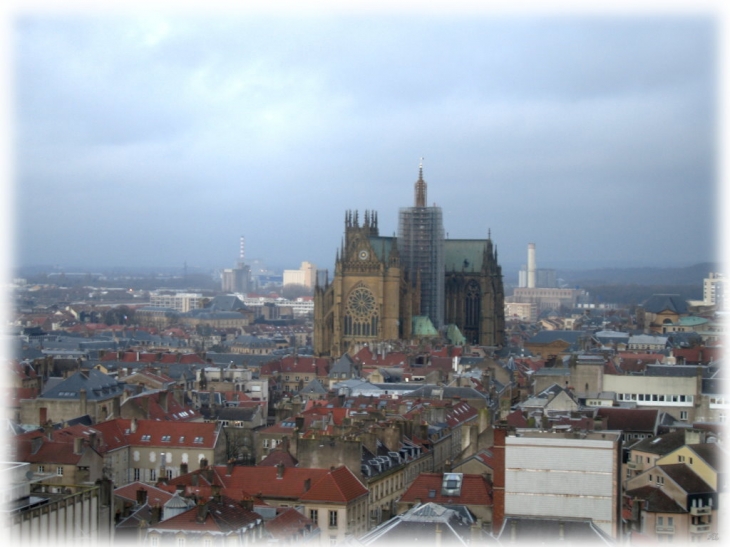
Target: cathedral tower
{"type": "Point", "coordinates": [421, 248]}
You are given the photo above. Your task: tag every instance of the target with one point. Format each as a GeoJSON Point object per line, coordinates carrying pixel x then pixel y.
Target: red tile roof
{"type": "Point", "coordinates": [628, 419]}
{"type": "Point", "coordinates": [224, 515]}
{"type": "Point", "coordinates": [475, 490]}
{"type": "Point", "coordinates": [155, 496]}
{"type": "Point", "coordinates": [289, 524]}
{"type": "Point", "coordinates": [261, 482]}
{"type": "Point", "coordinates": [174, 434]}
{"type": "Point", "coordinates": [49, 452]}
{"type": "Point", "coordinates": [337, 485]}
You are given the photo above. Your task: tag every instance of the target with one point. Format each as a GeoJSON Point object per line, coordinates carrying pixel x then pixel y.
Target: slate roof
{"type": "Point", "coordinates": [226, 303]}
{"type": "Point", "coordinates": [662, 302]}
{"type": "Point", "coordinates": [315, 387]}
{"type": "Point", "coordinates": [464, 254]}
{"type": "Point", "coordinates": [661, 445]}
{"type": "Point", "coordinates": [98, 387]}
{"type": "Point", "coordinates": [687, 479]}
{"type": "Point", "coordinates": [343, 365]}
{"type": "Point", "coordinates": [244, 414]}
{"type": "Point", "coordinates": [659, 502]}
{"type": "Point", "coordinates": [711, 453]}
{"type": "Point", "coordinates": [629, 419]}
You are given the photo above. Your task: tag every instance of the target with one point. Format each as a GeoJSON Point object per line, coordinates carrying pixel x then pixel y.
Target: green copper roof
{"type": "Point", "coordinates": [381, 246]}
{"type": "Point", "coordinates": [463, 254]}
{"type": "Point", "coordinates": [422, 326]}
{"type": "Point", "coordinates": [692, 321]}
{"type": "Point", "coordinates": [453, 334]}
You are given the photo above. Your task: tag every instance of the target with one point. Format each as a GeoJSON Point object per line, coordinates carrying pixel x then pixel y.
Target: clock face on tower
{"type": "Point", "coordinates": [363, 255]}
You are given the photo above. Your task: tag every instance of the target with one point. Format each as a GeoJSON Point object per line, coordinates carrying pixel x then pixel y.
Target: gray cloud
{"type": "Point", "coordinates": [154, 141]}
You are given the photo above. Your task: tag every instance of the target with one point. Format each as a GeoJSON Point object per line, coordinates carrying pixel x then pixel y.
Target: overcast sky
{"type": "Point", "coordinates": [155, 141]}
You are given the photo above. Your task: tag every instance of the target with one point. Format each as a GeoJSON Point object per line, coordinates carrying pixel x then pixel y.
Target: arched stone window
{"type": "Point", "coordinates": [361, 313]}
{"type": "Point", "coordinates": [473, 306]}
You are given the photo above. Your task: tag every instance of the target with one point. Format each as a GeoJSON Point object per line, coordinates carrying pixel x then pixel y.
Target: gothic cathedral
{"type": "Point", "coordinates": [381, 284]}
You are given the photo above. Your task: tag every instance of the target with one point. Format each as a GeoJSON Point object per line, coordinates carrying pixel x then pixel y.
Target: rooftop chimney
{"type": "Point", "coordinates": [202, 511]}
{"type": "Point", "coordinates": [279, 470]}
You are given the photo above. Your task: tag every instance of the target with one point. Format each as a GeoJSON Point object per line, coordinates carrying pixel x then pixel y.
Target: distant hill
{"type": "Point", "coordinates": [690, 275]}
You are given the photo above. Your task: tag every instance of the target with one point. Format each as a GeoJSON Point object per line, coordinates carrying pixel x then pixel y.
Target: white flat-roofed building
{"type": "Point", "coordinates": [564, 475]}
{"type": "Point", "coordinates": [180, 302]}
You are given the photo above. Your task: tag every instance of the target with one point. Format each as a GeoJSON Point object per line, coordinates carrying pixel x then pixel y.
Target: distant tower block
{"type": "Point", "coordinates": [530, 265]}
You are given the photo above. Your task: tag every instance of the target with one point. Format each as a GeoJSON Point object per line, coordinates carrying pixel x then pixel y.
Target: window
{"type": "Point", "coordinates": [680, 459]}
{"type": "Point", "coordinates": [180, 542]}
{"type": "Point", "coordinates": [182, 439]}
{"type": "Point", "coordinates": [660, 521]}
{"type": "Point", "coordinates": [683, 415]}
{"type": "Point", "coordinates": [145, 438]}
{"type": "Point", "coordinates": [198, 440]}
{"type": "Point", "coordinates": [168, 473]}
{"type": "Point", "coordinates": [266, 443]}
{"type": "Point", "coordinates": [59, 470]}
{"type": "Point", "coordinates": [154, 541]}
{"type": "Point", "coordinates": [333, 519]}
{"type": "Point", "coordinates": [670, 521]}
{"type": "Point", "coordinates": [136, 473]}
{"type": "Point", "coordinates": [153, 474]}
{"type": "Point", "coordinates": [207, 542]}
{"type": "Point", "coordinates": [314, 515]}
{"type": "Point", "coordinates": [166, 438]}
{"type": "Point", "coordinates": [659, 479]}
{"type": "Point", "coordinates": [41, 469]}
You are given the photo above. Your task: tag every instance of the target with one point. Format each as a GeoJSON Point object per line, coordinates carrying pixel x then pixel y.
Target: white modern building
{"type": "Point", "coordinates": [564, 475]}
{"type": "Point", "coordinates": [180, 302]}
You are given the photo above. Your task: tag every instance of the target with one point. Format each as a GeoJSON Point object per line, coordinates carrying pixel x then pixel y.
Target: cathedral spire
{"type": "Point", "coordinates": [420, 187]}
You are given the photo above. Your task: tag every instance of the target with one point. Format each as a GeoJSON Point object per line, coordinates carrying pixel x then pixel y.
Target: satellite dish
{"type": "Point", "coordinates": [29, 475]}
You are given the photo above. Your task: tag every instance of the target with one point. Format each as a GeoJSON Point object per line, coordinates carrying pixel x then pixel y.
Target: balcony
{"type": "Point", "coordinates": [697, 511]}
{"type": "Point", "coordinates": [664, 529]}
{"type": "Point", "coordinates": [631, 465]}
{"type": "Point", "coordinates": [699, 528]}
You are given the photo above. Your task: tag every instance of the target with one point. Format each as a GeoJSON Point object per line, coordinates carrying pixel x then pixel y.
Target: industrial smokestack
{"type": "Point", "coordinates": [531, 265]}
{"type": "Point", "coordinates": [242, 251]}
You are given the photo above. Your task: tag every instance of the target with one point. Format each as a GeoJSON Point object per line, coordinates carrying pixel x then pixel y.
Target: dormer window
{"type": "Point", "coordinates": [182, 439]}
{"type": "Point", "coordinates": [166, 438]}
{"type": "Point", "coordinates": [145, 438]}
{"type": "Point", "coordinates": [451, 485]}
{"type": "Point", "coordinates": [198, 440]}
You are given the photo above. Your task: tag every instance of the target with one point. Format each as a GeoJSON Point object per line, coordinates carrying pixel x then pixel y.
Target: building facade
{"type": "Point", "coordinates": [381, 283]}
